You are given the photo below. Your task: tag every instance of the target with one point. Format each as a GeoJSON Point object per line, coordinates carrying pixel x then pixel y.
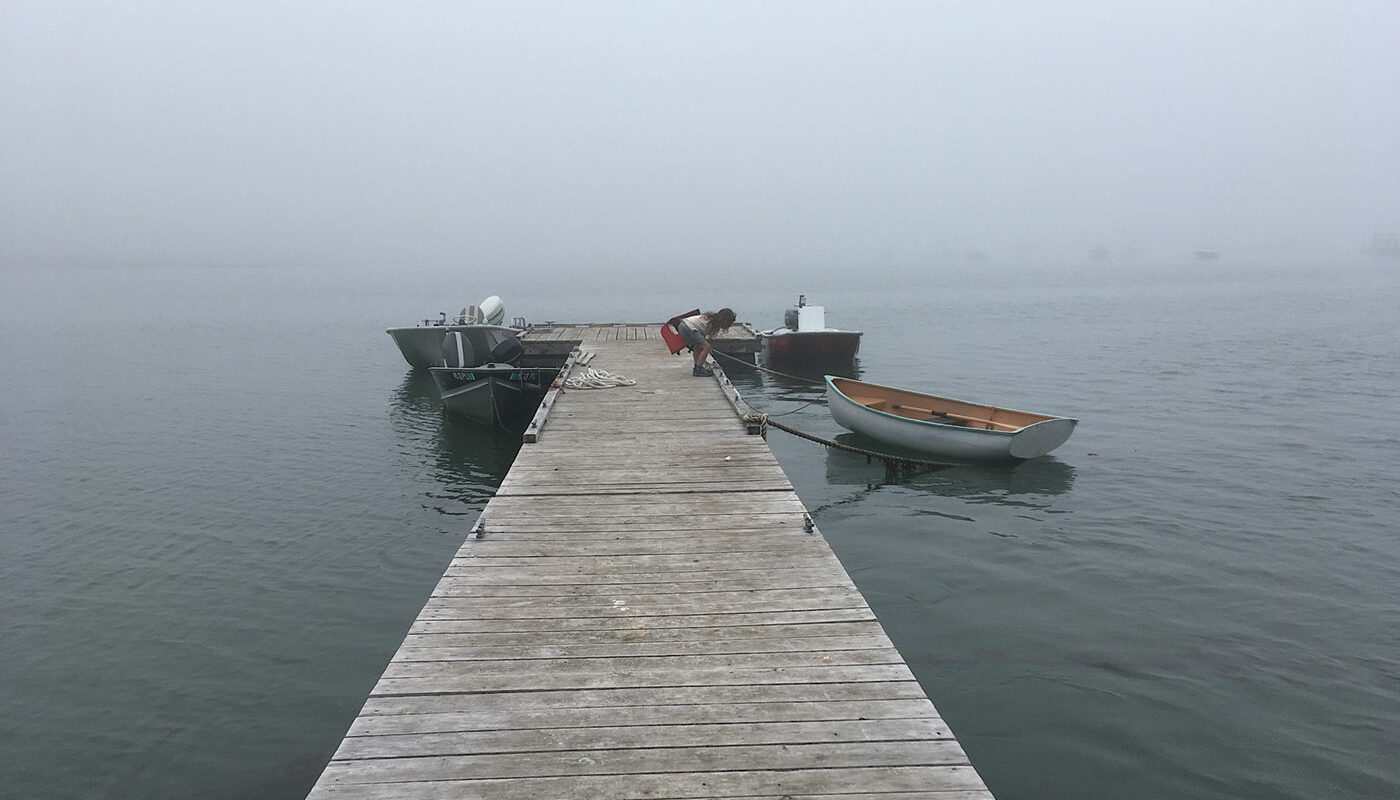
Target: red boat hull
{"type": "Point", "coordinates": [824, 346]}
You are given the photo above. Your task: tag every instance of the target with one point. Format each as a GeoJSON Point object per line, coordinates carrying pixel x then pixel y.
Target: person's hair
{"type": "Point", "coordinates": [720, 320]}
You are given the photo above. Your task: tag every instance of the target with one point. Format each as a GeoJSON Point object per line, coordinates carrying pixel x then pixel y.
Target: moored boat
{"type": "Point", "coordinates": [490, 388]}
{"type": "Point", "coordinates": [942, 426]}
{"type": "Point", "coordinates": [421, 344]}
{"type": "Point", "coordinates": [502, 395]}
{"type": "Point", "coordinates": [804, 337]}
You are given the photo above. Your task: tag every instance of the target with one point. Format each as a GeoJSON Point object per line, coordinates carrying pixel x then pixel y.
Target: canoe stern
{"type": "Point", "coordinates": [1042, 437]}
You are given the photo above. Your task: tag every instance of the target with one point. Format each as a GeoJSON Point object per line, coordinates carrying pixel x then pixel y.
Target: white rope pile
{"type": "Point", "coordinates": [597, 379]}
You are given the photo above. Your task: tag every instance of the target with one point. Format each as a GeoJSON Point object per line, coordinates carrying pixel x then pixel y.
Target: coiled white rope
{"type": "Point", "coordinates": [597, 379]}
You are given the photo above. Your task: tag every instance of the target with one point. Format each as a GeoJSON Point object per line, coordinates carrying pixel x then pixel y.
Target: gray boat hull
{"type": "Point", "coordinates": [500, 395]}
{"type": "Point", "coordinates": [422, 345]}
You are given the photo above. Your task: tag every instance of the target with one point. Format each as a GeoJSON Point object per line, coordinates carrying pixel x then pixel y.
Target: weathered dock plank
{"type": "Point", "coordinates": [516, 718]}
{"type": "Point", "coordinates": [638, 626]}
{"type": "Point", "coordinates": [644, 610]}
{"type": "Point", "coordinates": [852, 783]}
{"type": "Point", "coordinates": [556, 338]}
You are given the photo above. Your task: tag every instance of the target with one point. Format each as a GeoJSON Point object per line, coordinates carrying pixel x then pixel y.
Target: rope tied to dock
{"type": "Point", "coordinates": [760, 367]}
{"type": "Point", "coordinates": [598, 379]}
{"type": "Point", "coordinates": [890, 461]}
{"type": "Point", "coordinates": [763, 421]}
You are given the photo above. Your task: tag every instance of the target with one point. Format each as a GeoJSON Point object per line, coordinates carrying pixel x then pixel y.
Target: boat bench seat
{"type": "Point", "coordinates": [947, 418]}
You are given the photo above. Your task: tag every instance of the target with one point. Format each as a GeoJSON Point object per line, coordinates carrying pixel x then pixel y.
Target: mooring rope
{"type": "Point", "coordinates": [598, 379]}
{"type": "Point", "coordinates": [890, 461]}
{"type": "Point", "coordinates": [795, 410]}
{"type": "Point", "coordinates": [765, 421]}
{"type": "Point", "coordinates": [759, 367]}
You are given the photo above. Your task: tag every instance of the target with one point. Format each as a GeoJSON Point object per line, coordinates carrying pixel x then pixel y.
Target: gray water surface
{"type": "Point", "coordinates": [224, 497]}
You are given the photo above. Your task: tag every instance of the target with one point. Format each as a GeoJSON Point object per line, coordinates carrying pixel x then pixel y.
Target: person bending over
{"type": "Point", "coordinates": [698, 331]}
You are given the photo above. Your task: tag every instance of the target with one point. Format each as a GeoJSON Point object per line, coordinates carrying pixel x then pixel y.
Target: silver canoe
{"type": "Point", "coordinates": [941, 426]}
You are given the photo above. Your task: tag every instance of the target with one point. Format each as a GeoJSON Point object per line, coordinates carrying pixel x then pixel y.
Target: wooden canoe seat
{"type": "Point", "coordinates": [961, 419]}
{"type": "Point", "coordinates": [990, 424]}
{"type": "Point", "coordinates": [877, 403]}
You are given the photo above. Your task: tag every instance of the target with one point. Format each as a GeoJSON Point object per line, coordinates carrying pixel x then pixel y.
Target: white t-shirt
{"type": "Point", "coordinates": [699, 323]}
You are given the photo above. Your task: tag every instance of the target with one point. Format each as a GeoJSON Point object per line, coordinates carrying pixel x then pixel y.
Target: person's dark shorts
{"type": "Point", "coordinates": [691, 336]}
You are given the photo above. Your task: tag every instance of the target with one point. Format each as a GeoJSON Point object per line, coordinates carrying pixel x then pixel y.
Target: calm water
{"type": "Point", "coordinates": [224, 497]}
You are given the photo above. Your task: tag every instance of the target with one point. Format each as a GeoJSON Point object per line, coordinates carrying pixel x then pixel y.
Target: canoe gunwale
{"type": "Point", "coordinates": [1040, 417]}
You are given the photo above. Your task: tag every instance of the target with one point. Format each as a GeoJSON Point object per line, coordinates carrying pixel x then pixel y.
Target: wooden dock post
{"type": "Point", "coordinates": [645, 610]}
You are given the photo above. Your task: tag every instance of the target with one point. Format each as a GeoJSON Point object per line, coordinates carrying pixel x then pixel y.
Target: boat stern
{"type": "Point", "coordinates": [1042, 437]}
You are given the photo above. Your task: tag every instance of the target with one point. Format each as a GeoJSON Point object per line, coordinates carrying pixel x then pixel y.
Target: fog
{"type": "Point", "coordinates": [626, 136]}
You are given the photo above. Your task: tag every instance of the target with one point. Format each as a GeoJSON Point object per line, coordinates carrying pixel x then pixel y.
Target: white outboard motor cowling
{"type": "Point", "coordinates": [491, 312]}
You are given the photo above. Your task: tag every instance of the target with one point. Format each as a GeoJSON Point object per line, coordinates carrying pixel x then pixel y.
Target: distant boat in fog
{"type": "Point", "coordinates": [805, 339]}
{"type": "Point", "coordinates": [1098, 252]}
{"type": "Point", "coordinates": [1388, 246]}
{"type": "Point", "coordinates": [1205, 255]}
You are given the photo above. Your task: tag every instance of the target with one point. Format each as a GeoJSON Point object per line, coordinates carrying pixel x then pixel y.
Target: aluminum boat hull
{"type": "Point", "coordinates": [422, 345]}
{"type": "Point", "coordinates": [501, 395]}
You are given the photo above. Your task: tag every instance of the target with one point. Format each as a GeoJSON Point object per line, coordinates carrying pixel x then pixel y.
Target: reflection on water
{"type": "Point", "coordinates": [417, 393]}
{"type": "Point", "coordinates": [758, 388]}
{"type": "Point", "coordinates": [1043, 476]}
{"type": "Point", "coordinates": [468, 460]}
{"type": "Point", "coordinates": [784, 373]}
{"type": "Point", "coordinates": [776, 378]}
{"type": "Point", "coordinates": [471, 460]}
{"type": "Point", "coordinates": [802, 403]}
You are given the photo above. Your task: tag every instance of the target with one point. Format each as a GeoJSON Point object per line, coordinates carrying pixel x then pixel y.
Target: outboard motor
{"type": "Point", "coordinates": [792, 318]}
{"type": "Point", "coordinates": [457, 351]}
{"type": "Point", "coordinates": [491, 312]}
{"type": "Point", "coordinates": [508, 351]}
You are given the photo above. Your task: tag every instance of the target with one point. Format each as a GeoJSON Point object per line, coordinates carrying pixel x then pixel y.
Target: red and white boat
{"type": "Point", "coordinates": [804, 337]}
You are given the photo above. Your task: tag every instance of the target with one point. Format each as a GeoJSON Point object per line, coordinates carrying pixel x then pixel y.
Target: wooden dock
{"type": "Point", "coordinates": [558, 338]}
{"type": "Point", "coordinates": [644, 610]}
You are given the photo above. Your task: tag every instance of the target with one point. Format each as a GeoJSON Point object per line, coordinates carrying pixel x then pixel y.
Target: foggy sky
{"type": "Point", "coordinates": [548, 135]}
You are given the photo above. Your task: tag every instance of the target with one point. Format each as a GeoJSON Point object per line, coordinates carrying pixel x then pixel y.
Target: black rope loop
{"type": "Point", "coordinates": [890, 461]}
{"type": "Point", "coordinates": [765, 420]}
